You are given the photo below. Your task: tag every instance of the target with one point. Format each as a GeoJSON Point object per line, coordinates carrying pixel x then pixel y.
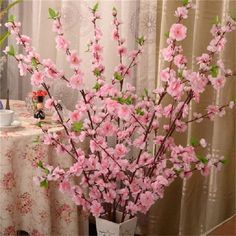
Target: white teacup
{"type": "Point", "coordinates": [6, 117]}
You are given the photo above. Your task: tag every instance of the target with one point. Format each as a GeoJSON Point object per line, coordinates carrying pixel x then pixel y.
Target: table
{"type": "Point", "coordinates": [228, 227]}
{"type": "Point", "coordinates": [23, 204]}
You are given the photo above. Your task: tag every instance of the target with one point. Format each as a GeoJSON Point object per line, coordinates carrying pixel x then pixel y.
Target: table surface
{"type": "Point", "coordinates": [28, 123]}
{"type": "Point", "coordinates": [226, 228]}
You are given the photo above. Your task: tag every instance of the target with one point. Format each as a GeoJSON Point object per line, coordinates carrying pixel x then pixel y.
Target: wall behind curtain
{"type": "Point", "coordinates": [190, 207]}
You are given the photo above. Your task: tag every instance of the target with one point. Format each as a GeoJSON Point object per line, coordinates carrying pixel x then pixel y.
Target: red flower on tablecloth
{"type": "Point", "coordinates": [24, 203]}
{"type": "Point", "coordinates": [8, 181]}
{"type": "Point", "coordinates": [43, 216]}
{"type": "Point", "coordinates": [34, 153]}
{"type": "Point", "coordinates": [9, 231]}
{"type": "Point", "coordinates": [10, 209]}
{"type": "Point", "coordinates": [9, 153]}
{"type": "Point", "coordinates": [35, 232]}
{"type": "Point", "coordinates": [63, 212]}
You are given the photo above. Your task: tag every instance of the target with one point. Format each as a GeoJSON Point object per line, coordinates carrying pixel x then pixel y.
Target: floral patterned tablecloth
{"type": "Point", "coordinates": [23, 204]}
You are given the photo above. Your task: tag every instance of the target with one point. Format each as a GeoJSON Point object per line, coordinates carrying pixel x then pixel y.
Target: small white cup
{"type": "Point", "coordinates": [6, 117]}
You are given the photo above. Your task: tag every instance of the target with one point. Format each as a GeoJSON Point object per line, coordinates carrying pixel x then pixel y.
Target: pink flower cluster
{"type": "Point", "coordinates": [132, 154]}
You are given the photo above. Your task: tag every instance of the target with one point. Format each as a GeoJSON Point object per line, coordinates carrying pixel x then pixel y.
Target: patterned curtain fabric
{"type": "Point", "coordinates": [191, 207]}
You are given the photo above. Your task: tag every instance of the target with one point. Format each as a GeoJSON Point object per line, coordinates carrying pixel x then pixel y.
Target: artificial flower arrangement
{"type": "Point", "coordinates": [35, 102]}
{"type": "Point", "coordinates": [38, 93]}
{"type": "Point", "coordinates": [132, 156]}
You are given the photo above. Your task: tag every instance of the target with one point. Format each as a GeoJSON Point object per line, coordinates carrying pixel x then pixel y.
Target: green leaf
{"type": "Point", "coordinates": [217, 20]}
{"type": "Point", "coordinates": [11, 18]}
{"type": "Point", "coordinates": [194, 142]}
{"type": "Point", "coordinates": [36, 140]}
{"type": "Point", "coordinates": [40, 164]}
{"type": "Point", "coordinates": [10, 5]}
{"type": "Point", "coordinates": [44, 184]}
{"type": "Point", "coordinates": [178, 171]}
{"type": "Point", "coordinates": [11, 51]}
{"type": "Point", "coordinates": [224, 161]}
{"type": "Point", "coordinates": [146, 92]}
{"type": "Point", "coordinates": [214, 70]}
{"type": "Point", "coordinates": [234, 100]}
{"type": "Point", "coordinates": [139, 111]}
{"type": "Point", "coordinates": [203, 159]}
{"type": "Point", "coordinates": [3, 37]}
{"type": "Point", "coordinates": [34, 62]}
{"type": "Point", "coordinates": [52, 14]}
{"type": "Point", "coordinates": [95, 7]}
{"type": "Point", "coordinates": [185, 2]}
{"type": "Point", "coordinates": [127, 101]}
{"type": "Point", "coordinates": [97, 72]}
{"type": "Point", "coordinates": [180, 74]}
{"type": "Point", "coordinates": [167, 34]}
{"type": "Point", "coordinates": [97, 86]}
{"type": "Point", "coordinates": [118, 76]}
{"type": "Point", "coordinates": [140, 40]}
{"type": "Point", "coordinates": [39, 124]}
{"type": "Point", "coordinates": [77, 126]}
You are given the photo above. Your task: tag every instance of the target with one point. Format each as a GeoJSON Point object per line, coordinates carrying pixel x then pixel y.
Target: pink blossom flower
{"type": "Point", "coordinates": [198, 82]}
{"type": "Point", "coordinates": [48, 139]}
{"type": "Point", "coordinates": [121, 68]}
{"type": "Point", "coordinates": [147, 199]}
{"type": "Point", "coordinates": [115, 35]}
{"type": "Point", "coordinates": [124, 112]}
{"type": "Point", "coordinates": [138, 142]}
{"type": "Point", "coordinates": [217, 82]}
{"type": "Point", "coordinates": [217, 44]}
{"type": "Point", "coordinates": [133, 54]}
{"type": "Point", "coordinates": [23, 39]}
{"type": "Point", "coordinates": [96, 208]}
{"type": "Point", "coordinates": [65, 186]}
{"type": "Point", "coordinates": [98, 34]}
{"type": "Point", "coordinates": [180, 126]}
{"type": "Point", "coordinates": [108, 129]}
{"type": "Point", "coordinates": [175, 88]}
{"type": "Point", "coordinates": [212, 110]}
{"type": "Point", "coordinates": [49, 103]}
{"type": "Point", "coordinates": [168, 53]}
{"type": "Point", "coordinates": [50, 70]}
{"type": "Point", "coordinates": [23, 68]}
{"type": "Point", "coordinates": [167, 110]}
{"type": "Point", "coordinates": [122, 50]}
{"type": "Point", "coordinates": [73, 59]}
{"type": "Point", "coordinates": [181, 12]}
{"type": "Point", "coordinates": [75, 116]}
{"type": "Point", "coordinates": [204, 61]}
{"type": "Point", "coordinates": [97, 48]}
{"type": "Point", "coordinates": [62, 43]}
{"type": "Point", "coordinates": [180, 60]}
{"type": "Point", "coordinates": [37, 78]}
{"type": "Point", "coordinates": [178, 32]}
{"type": "Point", "coordinates": [76, 81]}
{"type": "Point", "coordinates": [165, 75]}
{"type": "Point", "coordinates": [132, 208]}
{"type": "Point", "coordinates": [120, 150]}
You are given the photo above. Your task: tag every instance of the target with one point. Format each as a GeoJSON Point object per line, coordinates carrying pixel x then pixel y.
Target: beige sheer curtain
{"type": "Point", "coordinates": [191, 207]}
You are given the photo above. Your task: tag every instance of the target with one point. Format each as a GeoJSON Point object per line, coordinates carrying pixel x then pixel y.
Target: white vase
{"type": "Point", "coordinates": [109, 228]}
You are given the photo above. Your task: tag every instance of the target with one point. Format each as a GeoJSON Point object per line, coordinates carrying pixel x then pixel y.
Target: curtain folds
{"type": "Point", "coordinates": [191, 207]}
